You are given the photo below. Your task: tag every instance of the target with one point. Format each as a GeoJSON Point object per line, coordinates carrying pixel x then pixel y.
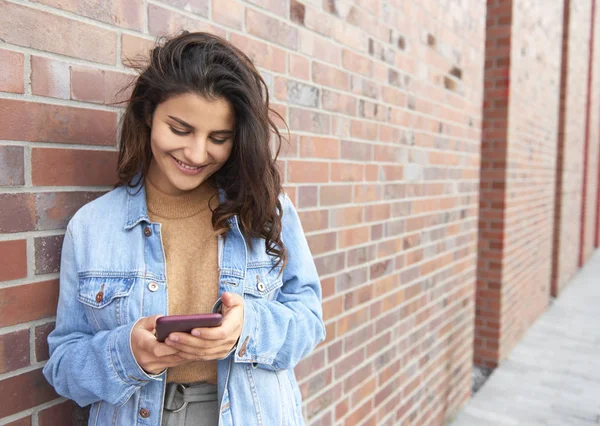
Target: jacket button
{"type": "Point", "coordinates": [152, 286]}
{"type": "Point", "coordinates": [147, 231]}
{"type": "Point", "coordinates": [145, 413]}
{"type": "Point", "coordinates": [99, 296]}
{"type": "Point", "coordinates": [260, 286]}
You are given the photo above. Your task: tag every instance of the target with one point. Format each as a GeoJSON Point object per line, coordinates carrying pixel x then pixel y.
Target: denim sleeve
{"type": "Point", "coordinates": [277, 334]}
{"type": "Point", "coordinates": [85, 366]}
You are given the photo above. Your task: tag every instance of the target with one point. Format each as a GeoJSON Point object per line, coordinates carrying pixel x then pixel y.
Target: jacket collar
{"type": "Point", "coordinates": [137, 209]}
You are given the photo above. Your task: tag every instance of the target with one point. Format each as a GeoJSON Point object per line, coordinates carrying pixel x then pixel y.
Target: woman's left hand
{"type": "Point", "coordinates": [210, 343]}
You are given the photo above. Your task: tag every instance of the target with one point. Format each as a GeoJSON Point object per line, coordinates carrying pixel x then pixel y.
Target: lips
{"type": "Point", "coordinates": [187, 166]}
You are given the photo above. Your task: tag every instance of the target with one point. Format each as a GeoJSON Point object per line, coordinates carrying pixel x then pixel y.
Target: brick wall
{"type": "Point", "coordinates": [531, 165]}
{"type": "Point", "coordinates": [384, 102]}
{"type": "Point", "coordinates": [576, 44]}
{"type": "Point", "coordinates": [494, 151]}
{"type": "Point", "coordinates": [591, 206]}
{"type": "Point", "coordinates": [533, 157]}
{"type": "Point", "coordinates": [521, 103]}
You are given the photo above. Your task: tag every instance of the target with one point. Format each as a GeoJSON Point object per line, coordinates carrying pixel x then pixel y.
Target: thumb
{"type": "Point", "coordinates": [148, 323]}
{"type": "Point", "coordinates": [231, 299]}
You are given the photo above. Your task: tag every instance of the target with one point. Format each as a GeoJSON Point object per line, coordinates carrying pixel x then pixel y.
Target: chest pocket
{"type": "Point", "coordinates": [106, 300]}
{"type": "Point", "coordinates": [261, 281]}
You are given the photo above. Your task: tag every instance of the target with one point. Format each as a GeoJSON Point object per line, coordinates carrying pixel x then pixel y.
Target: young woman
{"type": "Point", "coordinates": [198, 223]}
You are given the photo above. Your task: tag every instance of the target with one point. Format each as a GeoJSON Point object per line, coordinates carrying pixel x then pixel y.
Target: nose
{"type": "Point", "coordinates": [197, 152]}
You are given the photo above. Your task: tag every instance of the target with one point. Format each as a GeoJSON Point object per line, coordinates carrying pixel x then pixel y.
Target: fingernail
{"type": "Point", "coordinates": [195, 333]}
{"type": "Point", "coordinates": [173, 338]}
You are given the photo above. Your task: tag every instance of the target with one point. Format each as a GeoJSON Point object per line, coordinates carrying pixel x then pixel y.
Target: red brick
{"type": "Point", "coordinates": [57, 415]}
{"type": "Point", "coordinates": [321, 243]}
{"type": "Point", "coordinates": [123, 13]}
{"type": "Point", "coordinates": [307, 171]}
{"type": "Point", "coordinates": [313, 220]}
{"type": "Point", "coordinates": [87, 84]}
{"type": "Point", "coordinates": [198, 7]}
{"type": "Point", "coordinates": [47, 254]}
{"type": "Point", "coordinates": [17, 213]}
{"type": "Point", "coordinates": [84, 41]}
{"type": "Point", "coordinates": [14, 260]}
{"type": "Point", "coordinates": [274, 6]}
{"type": "Point", "coordinates": [347, 172]}
{"type": "Point", "coordinates": [309, 121]}
{"type": "Point", "coordinates": [330, 263]}
{"type": "Point", "coordinates": [163, 21]}
{"type": "Point", "coordinates": [50, 78]}
{"type": "Point", "coordinates": [318, 147]}
{"type": "Point", "coordinates": [12, 72]}
{"type": "Point", "coordinates": [354, 236]}
{"type": "Point", "coordinates": [24, 421]}
{"type": "Point", "coordinates": [363, 130]}
{"type": "Point", "coordinates": [271, 29]}
{"type": "Point", "coordinates": [357, 151]}
{"type": "Point", "coordinates": [366, 193]}
{"type": "Point", "coordinates": [262, 54]}
{"type": "Point", "coordinates": [338, 102]}
{"type": "Point", "coordinates": [307, 196]}
{"type": "Point", "coordinates": [135, 48]}
{"type": "Point", "coordinates": [14, 350]}
{"type": "Point", "coordinates": [229, 13]}
{"type": "Point", "coordinates": [357, 63]}
{"type": "Point", "coordinates": [69, 167]}
{"type": "Point", "coordinates": [299, 67]}
{"type": "Point", "coordinates": [337, 194]}
{"type": "Point", "coordinates": [329, 76]}
{"type": "Point", "coordinates": [28, 302]}
{"type": "Point", "coordinates": [36, 122]}
{"type": "Point", "coordinates": [315, 361]}
{"type": "Point", "coordinates": [41, 341]}
{"type": "Point", "coordinates": [347, 216]}
{"type": "Point", "coordinates": [12, 171]}
{"type": "Point", "coordinates": [319, 47]}
{"type": "Point", "coordinates": [25, 391]}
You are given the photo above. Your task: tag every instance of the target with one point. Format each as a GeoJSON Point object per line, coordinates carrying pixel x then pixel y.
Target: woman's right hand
{"type": "Point", "coordinates": [152, 355]}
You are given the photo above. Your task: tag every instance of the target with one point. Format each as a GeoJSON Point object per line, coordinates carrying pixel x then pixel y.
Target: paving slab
{"type": "Point", "coordinates": [552, 377]}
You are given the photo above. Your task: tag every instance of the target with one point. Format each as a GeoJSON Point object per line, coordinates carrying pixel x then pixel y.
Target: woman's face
{"type": "Point", "coordinates": [191, 138]}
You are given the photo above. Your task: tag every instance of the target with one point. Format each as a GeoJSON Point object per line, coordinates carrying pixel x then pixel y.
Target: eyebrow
{"type": "Point", "coordinates": [189, 126]}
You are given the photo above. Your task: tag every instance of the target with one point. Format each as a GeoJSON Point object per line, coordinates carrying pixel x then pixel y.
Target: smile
{"type": "Point", "coordinates": [186, 166]}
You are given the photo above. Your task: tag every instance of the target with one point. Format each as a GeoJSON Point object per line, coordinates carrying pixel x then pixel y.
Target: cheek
{"type": "Point", "coordinates": [161, 143]}
{"type": "Point", "coordinates": [222, 152]}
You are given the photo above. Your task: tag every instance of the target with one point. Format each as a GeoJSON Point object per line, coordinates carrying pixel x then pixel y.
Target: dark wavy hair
{"type": "Point", "coordinates": [209, 66]}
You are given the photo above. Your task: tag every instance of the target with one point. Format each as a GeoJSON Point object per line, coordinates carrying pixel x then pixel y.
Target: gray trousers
{"type": "Point", "coordinates": [195, 404]}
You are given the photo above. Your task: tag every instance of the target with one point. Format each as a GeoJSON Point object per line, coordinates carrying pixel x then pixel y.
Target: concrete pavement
{"type": "Point", "coordinates": [552, 377]}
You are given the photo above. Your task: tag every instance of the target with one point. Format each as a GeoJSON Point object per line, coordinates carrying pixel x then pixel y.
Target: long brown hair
{"type": "Point", "coordinates": [209, 66]}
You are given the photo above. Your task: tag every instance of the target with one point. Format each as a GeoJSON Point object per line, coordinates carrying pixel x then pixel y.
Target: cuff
{"type": "Point", "coordinates": [247, 351]}
{"type": "Point", "coordinates": [124, 362]}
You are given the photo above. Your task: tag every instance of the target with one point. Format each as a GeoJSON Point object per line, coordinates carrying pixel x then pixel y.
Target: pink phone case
{"type": "Point", "coordinates": [184, 323]}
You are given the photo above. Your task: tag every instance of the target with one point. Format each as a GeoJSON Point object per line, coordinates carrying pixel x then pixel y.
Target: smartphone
{"type": "Point", "coordinates": [184, 324]}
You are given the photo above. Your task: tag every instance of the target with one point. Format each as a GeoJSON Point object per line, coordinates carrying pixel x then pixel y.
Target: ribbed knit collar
{"type": "Point", "coordinates": [179, 206]}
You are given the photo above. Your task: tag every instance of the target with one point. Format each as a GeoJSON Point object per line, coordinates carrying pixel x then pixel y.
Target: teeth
{"type": "Point", "coordinates": [185, 166]}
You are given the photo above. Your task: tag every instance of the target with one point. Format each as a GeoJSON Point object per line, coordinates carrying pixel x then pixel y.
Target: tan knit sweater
{"type": "Point", "coordinates": [192, 265]}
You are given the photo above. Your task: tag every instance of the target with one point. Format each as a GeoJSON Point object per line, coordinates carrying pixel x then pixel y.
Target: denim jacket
{"type": "Point", "coordinates": [113, 273]}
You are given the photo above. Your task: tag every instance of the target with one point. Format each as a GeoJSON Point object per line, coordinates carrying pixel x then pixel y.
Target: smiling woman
{"type": "Point", "coordinates": [186, 151]}
{"type": "Point", "coordinates": [196, 225]}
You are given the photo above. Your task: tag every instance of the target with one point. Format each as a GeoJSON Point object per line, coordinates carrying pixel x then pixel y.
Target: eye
{"type": "Point", "coordinates": [178, 132]}
{"type": "Point", "coordinates": [219, 141]}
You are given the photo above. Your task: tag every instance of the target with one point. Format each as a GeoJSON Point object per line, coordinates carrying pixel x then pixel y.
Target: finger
{"type": "Point", "coordinates": [222, 332]}
{"type": "Point", "coordinates": [230, 323]}
{"type": "Point", "coordinates": [186, 349]}
{"type": "Point", "coordinates": [206, 354]}
{"type": "Point", "coordinates": [188, 340]}
{"type": "Point", "coordinates": [231, 299]}
{"type": "Point", "coordinates": [148, 323]}
{"type": "Point", "coordinates": [162, 350]}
